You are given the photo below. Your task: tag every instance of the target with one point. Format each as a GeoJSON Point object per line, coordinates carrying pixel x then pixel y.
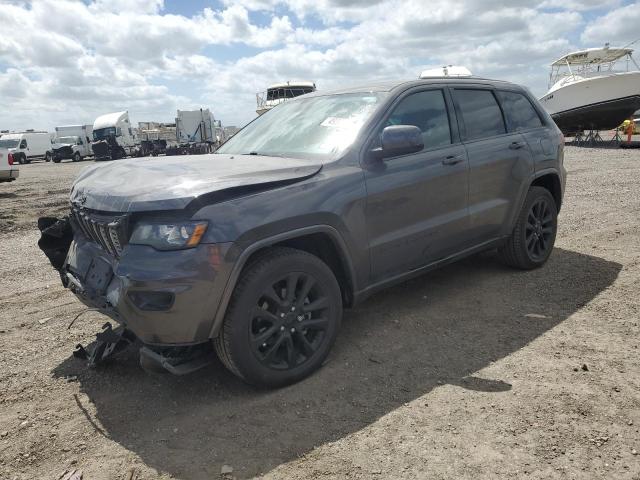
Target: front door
{"type": "Point", "coordinates": [417, 203]}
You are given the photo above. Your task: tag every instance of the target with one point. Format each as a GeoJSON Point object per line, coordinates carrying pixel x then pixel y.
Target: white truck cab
{"type": "Point", "coordinates": [113, 136]}
{"type": "Point", "coordinates": [27, 146]}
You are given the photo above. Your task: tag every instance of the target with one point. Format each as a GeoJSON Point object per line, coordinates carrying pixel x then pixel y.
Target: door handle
{"type": "Point", "coordinates": [516, 145]}
{"type": "Point", "coordinates": [452, 160]}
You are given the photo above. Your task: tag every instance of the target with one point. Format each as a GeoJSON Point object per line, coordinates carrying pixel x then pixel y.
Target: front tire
{"type": "Point", "coordinates": [282, 320]}
{"type": "Point", "coordinates": [534, 234]}
{"type": "Point", "coordinates": [22, 159]}
{"type": "Point", "coordinates": [77, 157]}
{"type": "Point", "coordinates": [47, 157]}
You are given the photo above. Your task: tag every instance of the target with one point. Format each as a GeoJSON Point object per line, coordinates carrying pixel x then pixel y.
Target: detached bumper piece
{"type": "Point", "coordinates": [176, 360]}
{"type": "Point", "coordinates": [55, 240]}
{"type": "Point", "coordinates": [109, 342]}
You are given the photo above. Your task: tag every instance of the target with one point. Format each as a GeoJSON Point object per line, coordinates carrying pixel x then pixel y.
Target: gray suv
{"type": "Point", "coordinates": [255, 250]}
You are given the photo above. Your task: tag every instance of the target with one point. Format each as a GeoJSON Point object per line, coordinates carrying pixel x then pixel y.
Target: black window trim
{"type": "Point", "coordinates": [461, 124]}
{"type": "Point", "coordinates": [448, 101]}
{"type": "Point", "coordinates": [509, 129]}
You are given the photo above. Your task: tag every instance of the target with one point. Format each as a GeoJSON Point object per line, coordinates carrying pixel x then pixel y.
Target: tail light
{"type": "Point", "coordinates": [10, 158]}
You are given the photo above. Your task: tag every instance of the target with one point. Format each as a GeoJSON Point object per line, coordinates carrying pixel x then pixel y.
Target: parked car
{"type": "Point", "coordinates": [309, 209]}
{"type": "Point", "coordinates": [27, 146]}
{"type": "Point", "coordinates": [8, 171]}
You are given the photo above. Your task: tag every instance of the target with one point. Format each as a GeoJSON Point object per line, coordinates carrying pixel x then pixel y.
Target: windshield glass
{"type": "Point", "coordinates": [72, 140]}
{"type": "Point", "coordinates": [102, 133]}
{"type": "Point", "coordinates": [315, 128]}
{"type": "Point", "coordinates": [9, 143]}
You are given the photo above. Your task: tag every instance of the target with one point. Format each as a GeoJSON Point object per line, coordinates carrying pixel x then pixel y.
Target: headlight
{"type": "Point", "coordinates": [168, 236]}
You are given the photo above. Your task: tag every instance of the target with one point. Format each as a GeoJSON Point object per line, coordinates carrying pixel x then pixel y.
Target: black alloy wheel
{"type": "Point", "coordinates": [283, 318]}
{"type": "Point", "coordinates": [289, 321]}
{"type": "Point", "coordinates": [539, 229]}
{"type": "Point", "coordinates": [534, 233]}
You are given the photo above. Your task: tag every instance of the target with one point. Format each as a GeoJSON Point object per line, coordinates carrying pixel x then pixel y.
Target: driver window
{"type": "Point", "coordinates": [427, 111]}
{"type": "Point", "coordinates": [23, 144]}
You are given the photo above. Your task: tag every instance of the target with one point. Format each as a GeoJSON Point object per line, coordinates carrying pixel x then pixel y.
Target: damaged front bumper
{"type": "Point", "coordinates": [166, 298]}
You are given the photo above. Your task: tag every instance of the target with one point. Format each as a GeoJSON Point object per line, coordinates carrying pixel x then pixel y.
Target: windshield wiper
{"type": "Point", "coordinates": [263, 154]}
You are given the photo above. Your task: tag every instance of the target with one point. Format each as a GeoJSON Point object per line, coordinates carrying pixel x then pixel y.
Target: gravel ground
{"type": "Point", "coordinates": [473, 371]}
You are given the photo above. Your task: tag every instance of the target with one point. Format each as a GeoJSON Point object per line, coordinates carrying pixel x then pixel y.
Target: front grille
{"type": "Point", "coordinates": [107, 231]}
{"type": "Point", "coordinates": [66, 150]}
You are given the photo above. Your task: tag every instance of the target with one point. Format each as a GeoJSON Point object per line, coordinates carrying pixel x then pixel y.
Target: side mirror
{"type": "Point", "coordinates": [399, 140]}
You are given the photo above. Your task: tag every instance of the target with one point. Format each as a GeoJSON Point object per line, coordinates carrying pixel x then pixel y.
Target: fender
{"type": "Point", "coordinates": [525, 188]}
{"type": "Point", "coordinates": [269, 241]}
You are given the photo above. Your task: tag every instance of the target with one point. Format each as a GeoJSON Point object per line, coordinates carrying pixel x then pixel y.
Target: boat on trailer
{"type": "Point", "coordinates": [281, 92]}
{"type": "Point", "coordinates": [588, 92]}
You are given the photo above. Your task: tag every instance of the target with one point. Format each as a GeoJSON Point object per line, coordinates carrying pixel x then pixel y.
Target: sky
{"type": "Point", "coordinates": [68, 61]}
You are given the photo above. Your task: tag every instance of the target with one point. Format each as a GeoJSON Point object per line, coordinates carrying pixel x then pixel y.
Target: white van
{"type": "Point", "coordinates": [72, 142]}
{"type": "Point", "coordinates": [27, 146]}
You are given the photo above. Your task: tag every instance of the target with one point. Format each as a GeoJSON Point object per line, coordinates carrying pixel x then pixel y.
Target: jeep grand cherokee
{"type": "Point", "coordinates": [309, 209]}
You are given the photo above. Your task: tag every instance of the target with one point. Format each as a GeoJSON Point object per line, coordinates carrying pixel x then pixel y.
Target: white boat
{"type": "Point", "coordinates": [281, 92]}
{"type": "Point", "coordinates": [587, 92]}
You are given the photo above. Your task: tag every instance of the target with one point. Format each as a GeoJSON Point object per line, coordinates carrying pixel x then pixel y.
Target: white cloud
{"type": "Point", "coordinates": [620, 26]}
{"type": "Point", "coordinates": [73, 60]}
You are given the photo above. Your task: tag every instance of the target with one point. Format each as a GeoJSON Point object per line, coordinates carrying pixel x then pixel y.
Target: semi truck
{"type": "Point", "coordinates": [72, 142]}
{"type": "Point", "coordinates": [155, 137]}
{"type": "Point", "coordinates": [197, 132]}
{"type": "Point", "coordinates": [113, 137]}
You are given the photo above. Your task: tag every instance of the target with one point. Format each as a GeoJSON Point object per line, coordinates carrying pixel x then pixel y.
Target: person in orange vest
{"type": "Point", "coordinates": [630, 128]}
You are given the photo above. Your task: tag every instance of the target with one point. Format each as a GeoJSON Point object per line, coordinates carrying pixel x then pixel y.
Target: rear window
{"type": "Point", "coordinates": [481, 114]}
{"type": "Point", "coordinates": [519, 112]}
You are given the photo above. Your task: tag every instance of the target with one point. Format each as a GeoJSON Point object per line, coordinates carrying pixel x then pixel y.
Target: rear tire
{"type": "Point", "coordinates": [47, 157]}
{"type": "Point", "coordinates": [282, 320]}
{"type": "Point", "coordinates": [534, 234]}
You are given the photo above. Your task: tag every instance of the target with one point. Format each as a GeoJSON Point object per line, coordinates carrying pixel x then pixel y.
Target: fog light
{"type": "Point", "coordinates": [152, 301]}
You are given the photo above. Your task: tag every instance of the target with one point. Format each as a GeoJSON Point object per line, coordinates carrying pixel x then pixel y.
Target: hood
{"type": "Point", "coordinates": [171, 183]}
{"type": "Point", "coordinates": [60, 145]}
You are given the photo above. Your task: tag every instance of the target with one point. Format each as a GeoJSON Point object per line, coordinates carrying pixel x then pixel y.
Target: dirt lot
{"type": "Point", "coordinates": [474, 371]}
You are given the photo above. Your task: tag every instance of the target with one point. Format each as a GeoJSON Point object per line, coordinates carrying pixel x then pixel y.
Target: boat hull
{"type": "Point", "coordinates": [599, 103]}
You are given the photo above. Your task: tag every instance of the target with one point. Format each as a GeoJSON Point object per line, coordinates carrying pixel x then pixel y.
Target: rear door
{"type": "Point", "coordinates": [522, 117]}
{"type": "Point", "coordinates": [499, 162]}
{"type": "Point", "coordinates": [417, 203]}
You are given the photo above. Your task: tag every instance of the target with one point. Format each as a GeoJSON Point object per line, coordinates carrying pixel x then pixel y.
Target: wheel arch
{"type": "Point", "coordinates": [551, 181]}
{"type": "Point", "coordinates": [548, 178]}
{"type": "Point", "coordinates": [323, 241]}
